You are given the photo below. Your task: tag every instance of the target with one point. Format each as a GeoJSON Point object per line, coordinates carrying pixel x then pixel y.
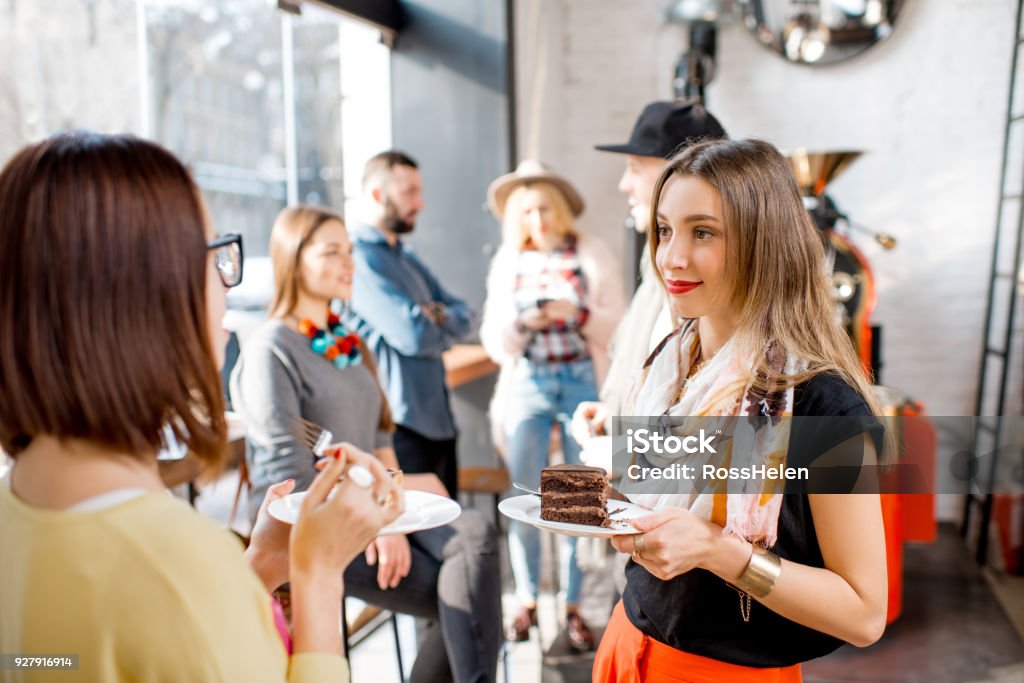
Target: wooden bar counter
{"type": "Point", "coordinates": [465, 363]}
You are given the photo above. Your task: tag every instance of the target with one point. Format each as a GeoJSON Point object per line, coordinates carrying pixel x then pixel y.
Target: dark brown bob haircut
{"type": "Point", "coordinates": [103, 321]}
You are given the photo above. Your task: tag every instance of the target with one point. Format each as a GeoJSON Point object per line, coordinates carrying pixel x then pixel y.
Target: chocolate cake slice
{"type": "Point", "coordinates": [576, 494]}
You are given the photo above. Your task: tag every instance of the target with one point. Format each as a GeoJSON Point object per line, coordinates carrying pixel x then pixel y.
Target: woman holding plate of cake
{"type": "Point", "coordinates": [726, 586]}
{"type": "Point", "coordinates": [553, 299]}
{"type": "Point", "coordinates": [302, 363]}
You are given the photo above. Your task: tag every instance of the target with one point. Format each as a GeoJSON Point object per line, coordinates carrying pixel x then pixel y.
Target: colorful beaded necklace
{"type": "Point", "coordinates": [335, 343]}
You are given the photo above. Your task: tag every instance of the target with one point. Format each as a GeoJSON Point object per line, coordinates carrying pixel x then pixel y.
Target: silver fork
{"type": "Point", "coordinates": [312, 436]}
{"type": "Point", "coordinates": [524, 488]}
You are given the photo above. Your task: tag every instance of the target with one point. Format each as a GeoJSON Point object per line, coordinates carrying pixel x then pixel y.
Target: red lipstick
{"type": "Point", "coordinates": [681, 286]}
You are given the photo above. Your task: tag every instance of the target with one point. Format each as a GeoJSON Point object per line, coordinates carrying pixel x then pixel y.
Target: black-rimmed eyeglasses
{"type": "Point", "coordinates": [228, 256]}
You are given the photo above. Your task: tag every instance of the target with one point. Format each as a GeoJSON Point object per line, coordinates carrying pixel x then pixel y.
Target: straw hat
{"type": "Point", "coordinates": [529, 171]}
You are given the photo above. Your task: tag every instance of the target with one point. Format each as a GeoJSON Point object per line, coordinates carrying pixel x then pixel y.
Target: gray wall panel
{"type": "Point", "coordinates": [450, 112]}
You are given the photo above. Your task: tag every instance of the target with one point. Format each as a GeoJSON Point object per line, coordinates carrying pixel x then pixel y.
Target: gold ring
{"type": "Point", "coordinates": [638, 543]}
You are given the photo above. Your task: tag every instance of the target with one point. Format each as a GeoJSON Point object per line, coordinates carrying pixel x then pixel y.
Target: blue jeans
{"type": "Point", "coordinates": [542, 395]}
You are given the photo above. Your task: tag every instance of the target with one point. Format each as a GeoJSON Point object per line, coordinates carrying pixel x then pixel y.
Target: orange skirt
{"type": "Point", "coordinates": [626, 655]}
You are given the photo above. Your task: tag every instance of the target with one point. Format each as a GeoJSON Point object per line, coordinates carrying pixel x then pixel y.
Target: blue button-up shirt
{"type": "Point", "coordinates": [391, 288]}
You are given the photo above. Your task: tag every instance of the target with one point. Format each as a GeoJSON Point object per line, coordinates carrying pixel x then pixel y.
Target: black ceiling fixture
{"type": "Point", "coordinates": [696, 66]}
{"type": "Point", "coordinates": [388, 15]}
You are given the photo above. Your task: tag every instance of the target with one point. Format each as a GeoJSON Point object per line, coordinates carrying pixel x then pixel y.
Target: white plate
{"type": "Point", "coordinates": [422, 511]}
{"type": "Point", "coordinates": [527, 509]}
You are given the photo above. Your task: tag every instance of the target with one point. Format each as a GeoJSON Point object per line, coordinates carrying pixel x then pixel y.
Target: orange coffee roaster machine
{"type": "Point", "coordinates": [907, 516]}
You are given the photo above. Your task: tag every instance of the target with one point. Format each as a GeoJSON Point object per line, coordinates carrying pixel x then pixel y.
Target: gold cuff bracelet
{"type": "Point", "coordinates": [761, 573]}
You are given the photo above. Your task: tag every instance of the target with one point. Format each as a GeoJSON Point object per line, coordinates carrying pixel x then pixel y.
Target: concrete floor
{"type": "Point", "coordinates": [952, 628]}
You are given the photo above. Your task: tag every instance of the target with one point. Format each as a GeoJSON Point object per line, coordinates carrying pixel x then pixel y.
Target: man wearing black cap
{"type": "Point", "coordinates": [664, 127]}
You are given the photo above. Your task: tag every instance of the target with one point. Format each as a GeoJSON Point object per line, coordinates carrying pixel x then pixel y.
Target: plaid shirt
{"type": "Point", "coordinates": [549, 276]}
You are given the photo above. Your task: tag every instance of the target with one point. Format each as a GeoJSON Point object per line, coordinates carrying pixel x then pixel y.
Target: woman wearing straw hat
{"type": "Point", "coordinates": [553, 299]}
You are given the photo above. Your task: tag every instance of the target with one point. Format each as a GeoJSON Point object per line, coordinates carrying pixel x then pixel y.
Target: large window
{"type": "Point", "coordinates": [66, 64]}
{"type": "Point", "coordinates": [267, 108]}
{"type": "Point", "coordinates": [253, 99]}
{"type": "Point", "coordinates": [215, 99]}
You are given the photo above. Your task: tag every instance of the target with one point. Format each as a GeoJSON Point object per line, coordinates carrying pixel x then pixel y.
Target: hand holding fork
{"type": "Point", "coordinates": [318, 440]}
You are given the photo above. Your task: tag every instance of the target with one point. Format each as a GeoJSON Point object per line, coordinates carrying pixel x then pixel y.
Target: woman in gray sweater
{"type": "Point", "coordinates": [302, 363]}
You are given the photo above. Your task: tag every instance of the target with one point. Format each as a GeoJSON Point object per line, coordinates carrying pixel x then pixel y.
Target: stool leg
{"type": "Point", "coordinates": [497, 515]}
{"type": "Point", "coordinates": [398, 647]}
{"type": "Point", "coordinates": [501, 612]}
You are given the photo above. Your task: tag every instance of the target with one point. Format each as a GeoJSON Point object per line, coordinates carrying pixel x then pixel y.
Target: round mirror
{"type": "Point", "coordinates": [819, 31]}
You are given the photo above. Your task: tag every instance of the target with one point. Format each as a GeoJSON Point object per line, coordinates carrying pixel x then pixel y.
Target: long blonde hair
{"type": "Point", "coordinates": [775, 260]}
{"type": "Point", "coordinates": [292, 231]}
{"type": "Point", "coordinates": [514, 229]}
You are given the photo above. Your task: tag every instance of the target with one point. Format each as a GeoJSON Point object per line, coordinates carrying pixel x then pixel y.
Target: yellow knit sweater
{"type": "Point", "coordinates": [147, 590]}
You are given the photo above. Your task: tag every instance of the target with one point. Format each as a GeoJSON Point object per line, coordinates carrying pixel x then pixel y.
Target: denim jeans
{"type": "Point", "coordinates": [540, 396]}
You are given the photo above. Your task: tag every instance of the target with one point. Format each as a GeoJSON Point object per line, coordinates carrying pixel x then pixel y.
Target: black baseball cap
{"type": "Point", "coordinates": [664, 126]}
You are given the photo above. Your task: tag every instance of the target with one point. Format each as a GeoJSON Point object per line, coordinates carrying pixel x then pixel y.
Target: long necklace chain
{"type": "Point", "coordinates": [695, 368]}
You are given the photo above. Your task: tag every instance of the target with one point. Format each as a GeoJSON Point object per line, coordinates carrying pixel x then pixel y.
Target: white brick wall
{"type": "Point", "coordinates": [928, 106]}
{"type": "Point", "coordinates": [584, 70]}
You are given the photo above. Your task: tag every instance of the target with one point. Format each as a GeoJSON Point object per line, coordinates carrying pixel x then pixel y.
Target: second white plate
{"type": "Point", "coordinates": [527, 509]}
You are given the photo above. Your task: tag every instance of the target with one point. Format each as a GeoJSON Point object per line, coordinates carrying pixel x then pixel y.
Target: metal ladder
{"type": "Point", "coordinates": [1000, 335]}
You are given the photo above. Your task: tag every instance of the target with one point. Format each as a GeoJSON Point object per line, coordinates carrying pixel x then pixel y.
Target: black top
{"type": "Point", "coordinates": [699, 613]}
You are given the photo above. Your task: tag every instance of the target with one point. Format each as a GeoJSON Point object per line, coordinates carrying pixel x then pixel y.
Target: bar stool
{"type": "Point", "coordinates": [364, 625]}
{"type": "Point", "coordinates": [492, 481]}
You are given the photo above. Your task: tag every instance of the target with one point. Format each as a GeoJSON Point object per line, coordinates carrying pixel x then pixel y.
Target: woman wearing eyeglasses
{"type": "Point", "coordinates": [304, 364]}
{"type": "Point", "coordinates": [110, 333]}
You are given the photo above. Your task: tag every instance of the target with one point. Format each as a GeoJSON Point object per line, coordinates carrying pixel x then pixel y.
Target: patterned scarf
{"type": "Point", "coordinates": [722, 388]}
